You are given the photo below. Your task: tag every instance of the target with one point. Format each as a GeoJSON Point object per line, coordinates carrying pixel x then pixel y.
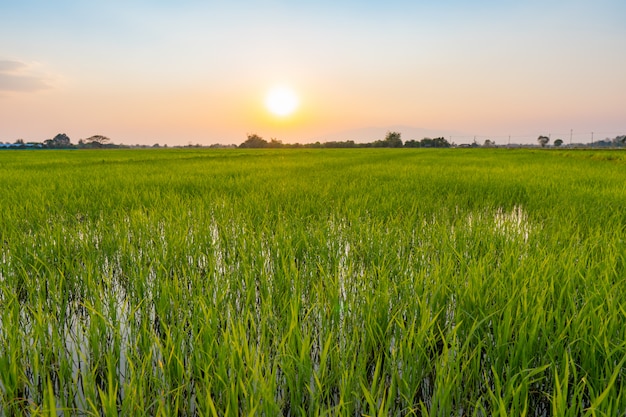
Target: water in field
{"type": "Point", "coordinates": [310, 283]}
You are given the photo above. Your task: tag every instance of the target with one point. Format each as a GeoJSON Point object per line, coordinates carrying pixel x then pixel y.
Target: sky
{"type": "Point", "coordinates": [198, 72]}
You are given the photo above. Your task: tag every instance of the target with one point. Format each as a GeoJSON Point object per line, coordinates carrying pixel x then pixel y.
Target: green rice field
{"type": "Point", "coordinates": [337, 282]}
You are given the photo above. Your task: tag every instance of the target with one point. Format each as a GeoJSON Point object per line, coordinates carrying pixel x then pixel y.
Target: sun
{"type": "Point", "coordinates": [281, 101]}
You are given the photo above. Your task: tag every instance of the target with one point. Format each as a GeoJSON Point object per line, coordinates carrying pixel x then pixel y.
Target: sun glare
{"type": "Point", "coordinates": [281, 101]}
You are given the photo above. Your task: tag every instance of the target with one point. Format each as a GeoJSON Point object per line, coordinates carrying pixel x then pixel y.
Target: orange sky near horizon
{"type": "Point", "coordinates": [199, 73]}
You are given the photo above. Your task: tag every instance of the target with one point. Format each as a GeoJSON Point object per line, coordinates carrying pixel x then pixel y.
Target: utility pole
{"type": "Point", "coordinates": [571, 132]}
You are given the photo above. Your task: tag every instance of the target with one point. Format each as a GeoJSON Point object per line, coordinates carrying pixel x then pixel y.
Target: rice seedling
{"type": "Point", "coordinates": [312, 282]}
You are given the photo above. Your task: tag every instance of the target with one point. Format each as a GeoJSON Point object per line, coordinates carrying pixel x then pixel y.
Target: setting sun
{"type": "Point", "coordinates": [307, 72]}
{"type": "Point", "coordinates": [281, 101]}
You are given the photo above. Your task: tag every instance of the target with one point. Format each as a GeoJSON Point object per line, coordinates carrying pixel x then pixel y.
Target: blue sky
{"type": "Point", "coordinates": [174, 72]}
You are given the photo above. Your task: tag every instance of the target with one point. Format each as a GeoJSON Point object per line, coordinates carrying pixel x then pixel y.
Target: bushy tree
{"type": "Point", "coordinates": [543, 140]}
{"type": "Point", "coordinates": [254, 141]}
{"type": "Point", "coordinates": [393, 140]}
{"type": "Point", "coordinates": [440, 142]}
{"type": "Point", "coordinates": [558, 142]}
{"type": "Point", "coordinates": [275, 143]}
{"type": "Point", "coordinates": [59, 141]}
{"type": "Point", "coordinates": [619, 140]}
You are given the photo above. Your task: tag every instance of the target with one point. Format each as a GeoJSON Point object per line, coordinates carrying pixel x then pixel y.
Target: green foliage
{"type": "Point", "coordinates": [543, 140]}
{"type": "Point", "coordinates": [392, 140]}
{"type": "Point", "coordinates": [254, 141]}
{"type": "Point", "coordinates": [312, 282]}
{"type": "Point", "coordinates": [59, 141]}
{"type": "Point", "coordinates": [96, 141]}
{"type": "Point", "coordinates": [427, 143]}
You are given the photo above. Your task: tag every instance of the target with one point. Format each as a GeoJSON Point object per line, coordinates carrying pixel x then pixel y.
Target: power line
{"type": "Point", "coordinates": [578, 135]}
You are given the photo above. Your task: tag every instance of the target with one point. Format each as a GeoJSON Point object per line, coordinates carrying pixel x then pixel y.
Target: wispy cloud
{"type": "Point", "coordinates": [16, 76]}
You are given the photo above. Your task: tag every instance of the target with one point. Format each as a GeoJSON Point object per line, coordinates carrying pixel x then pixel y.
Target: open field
{"type": "Point", "coordinates": [313, 282]}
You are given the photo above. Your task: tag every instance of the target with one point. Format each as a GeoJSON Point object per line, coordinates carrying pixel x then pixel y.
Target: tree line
{"type": "Point", "coordinates": [392, 140]}
{"type": "Point", "coordinates": [616, 142]}
{"type": "Point", "coordinates": [62, 141]}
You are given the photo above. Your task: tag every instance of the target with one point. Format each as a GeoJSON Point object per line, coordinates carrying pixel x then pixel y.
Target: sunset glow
{"type": "Point", "coordinates": [201, 72]}
{"type": "Point", "coordinates": [281, 101]}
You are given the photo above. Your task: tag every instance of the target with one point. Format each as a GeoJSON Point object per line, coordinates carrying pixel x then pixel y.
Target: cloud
{"type": "Point", "coordinates": [16, 76]}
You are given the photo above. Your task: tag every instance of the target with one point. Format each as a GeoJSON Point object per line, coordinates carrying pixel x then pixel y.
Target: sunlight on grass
{"type": "Point", "coordinates": [312, 282]}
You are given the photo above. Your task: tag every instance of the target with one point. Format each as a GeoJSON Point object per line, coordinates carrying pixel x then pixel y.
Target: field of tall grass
{"type": "Point", "coordinates": [313, 282]}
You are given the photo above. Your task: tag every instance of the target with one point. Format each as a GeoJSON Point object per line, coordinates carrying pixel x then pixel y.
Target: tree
{"type": "Point", "coordinates": [440, 142]}
{"type": "Point", "coordinates": [275, 143]}
{"type": "Point", "coordinates": [62, 140]}
{"type": "Point", "coordinates": [558, 142]}
{"type": "Point", "coordinates": [97, 141]}
{"type": "Point", "coordinates": [619, 140]}
{"type": "Point", "coordinates": [427, 143]}
{"type": "Point", "coordinates": [59, 141]}
{"type": "Point", "coordinates": [543, 140]}
{"type": "Point", "coordinates": [393, 140]}
{"type": "Point", "coordinates": [489, 144]}
{"type": "Point", "coordinates": [254, 141]}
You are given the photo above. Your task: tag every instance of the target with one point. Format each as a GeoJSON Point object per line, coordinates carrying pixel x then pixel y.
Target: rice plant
{"type": "Point", "coordinates": [312, 282]}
